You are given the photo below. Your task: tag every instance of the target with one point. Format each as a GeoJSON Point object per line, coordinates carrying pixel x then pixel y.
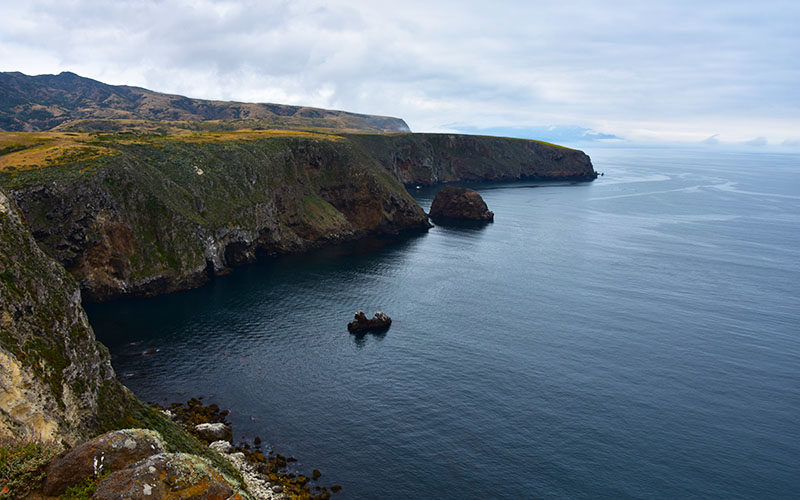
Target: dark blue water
{"type": "Point", "coordinates": [638, 336]}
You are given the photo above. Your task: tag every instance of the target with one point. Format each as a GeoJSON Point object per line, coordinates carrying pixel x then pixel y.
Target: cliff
{"type": "Point", "coordinates": [56, 382]}
{"type": "Point", "coordinates": [72, 102]}
{"type": "Point", "coordinates": [154, 214]}
{"type": "Point", "coordinates": [53, 369]}
{"type": "Point", "coordinates": [432, 158]}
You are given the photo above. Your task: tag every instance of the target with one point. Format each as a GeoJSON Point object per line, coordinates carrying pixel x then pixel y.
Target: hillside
{"type": "Point", "coordinates": [75, 103]}
{"type": "Point", "coordinates": [151, 214]}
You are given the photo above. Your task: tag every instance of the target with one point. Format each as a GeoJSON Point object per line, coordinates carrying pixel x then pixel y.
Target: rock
{"type": "Point", "coordinates": [360, 322]}
{"type": "Point", "coordinates": [166, 475]}
{"type": "Point", "coordinates": [214, 432]}
{"type": "Point", "coordinates": [256, 482]}
{"type": "Point", "coordinates": [222, 446]}
{"type": "Point", "coordinates": [460, 204]}
{"type": "Point", "coordinates": [112, 451]}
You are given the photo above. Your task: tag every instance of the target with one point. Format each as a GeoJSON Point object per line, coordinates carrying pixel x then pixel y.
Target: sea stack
{"type": "Point", "coordinates": [360, 323]}
{"type": "Point", "coordinates": [456, 203]}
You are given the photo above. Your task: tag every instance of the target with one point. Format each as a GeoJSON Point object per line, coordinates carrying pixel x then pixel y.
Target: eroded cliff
{"type": "Point", "coordinates": [53, 369]}
{"type": "Point", "coordinates": [432, 158]}
{"type": "Point", "coordinates": [144, 217]}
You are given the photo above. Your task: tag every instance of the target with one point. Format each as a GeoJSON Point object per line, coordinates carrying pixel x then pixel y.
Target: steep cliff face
{"type": "Point", "coordinates": [56, 380]}
{"type": "Point", "coordinates": [431, 158]}
{"type": "Point", "coordinates": [53, 369]}
{"type": "Point", "coordinates": [163, 216]}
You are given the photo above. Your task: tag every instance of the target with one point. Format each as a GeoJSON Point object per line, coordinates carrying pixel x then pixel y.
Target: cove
{"type": "Point", "coordinates": [630, 337]}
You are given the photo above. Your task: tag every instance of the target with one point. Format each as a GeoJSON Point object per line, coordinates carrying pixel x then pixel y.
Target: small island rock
{"type": "Point", "coordinates": [360, 322]}
{"type": "Point", "coordinates": [461, 204]}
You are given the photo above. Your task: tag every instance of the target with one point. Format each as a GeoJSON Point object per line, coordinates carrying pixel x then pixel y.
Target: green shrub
{"type": "Point", "coordinates": [22, 465]}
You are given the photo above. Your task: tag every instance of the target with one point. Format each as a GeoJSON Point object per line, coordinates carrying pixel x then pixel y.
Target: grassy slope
{"type": "Point", "coordinates": [156, 198]}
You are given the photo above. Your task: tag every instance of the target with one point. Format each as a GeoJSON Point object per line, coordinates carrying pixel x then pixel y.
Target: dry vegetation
{"type": "Point", "coordinates": [29, 150]}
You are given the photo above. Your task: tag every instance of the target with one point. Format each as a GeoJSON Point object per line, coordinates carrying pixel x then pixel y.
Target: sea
{"type": "Point", "coordinates": [637, 336]}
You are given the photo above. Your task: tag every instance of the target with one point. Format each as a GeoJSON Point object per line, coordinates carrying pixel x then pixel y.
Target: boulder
{"type": "Point", "coordinates": [214, 432]}
{"type": "Point", "coordinates": [111, 451]}
{"type": "Point", "coordinates": [361, 323]}
{"type": "Point", "coordinates": [166, 475]}
{"type": "Point", "coordinates": [222, 446]}
{"type": "Point", "coordinates": [456, 203]}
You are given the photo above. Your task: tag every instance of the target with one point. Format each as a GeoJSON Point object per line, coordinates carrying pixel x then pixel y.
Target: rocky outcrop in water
{"type": "Point", "coordinates": [456, 203]}
{"type": "Point", "coordinates": [360, 323]}
{"type": "Point", "coordinates": [427, 159]}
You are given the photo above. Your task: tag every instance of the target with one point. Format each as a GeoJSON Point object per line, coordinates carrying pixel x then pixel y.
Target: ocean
{"type": "Point", "coordinates": [637, 336]}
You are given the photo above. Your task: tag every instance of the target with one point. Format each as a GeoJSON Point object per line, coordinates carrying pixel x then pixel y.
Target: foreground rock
{"type": "Point", "coordinates": [456, 203]}
{"type": "Point", "coordinates": [361, 323]}
{"type": "Point", "coordinates": [167, 475]}
{"type": "Point", "coordinates": [110, 452]}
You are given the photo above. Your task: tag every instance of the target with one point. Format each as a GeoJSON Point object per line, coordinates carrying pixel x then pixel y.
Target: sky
{"type": "Point", "coordinates": [703, 72]}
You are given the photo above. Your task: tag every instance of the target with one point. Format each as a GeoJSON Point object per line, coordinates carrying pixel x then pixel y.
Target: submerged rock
{"type": "Point", "coordinates": [458, 203]}
{"type": "Point", "coordinates": [360, 322]}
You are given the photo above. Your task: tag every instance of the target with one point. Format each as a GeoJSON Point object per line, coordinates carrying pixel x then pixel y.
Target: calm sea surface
{"type": "Point", "coordinates": [637, 336]}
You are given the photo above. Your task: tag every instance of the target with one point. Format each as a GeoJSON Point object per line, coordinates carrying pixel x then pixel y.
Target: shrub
{"type": "Point", "coordinates": [22, 464]}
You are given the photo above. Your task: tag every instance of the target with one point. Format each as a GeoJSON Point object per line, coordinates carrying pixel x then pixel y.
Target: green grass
{"type": "Point", "coordinates": [21, 466]}
{"type": "Point", "coordinates": [86, 489]}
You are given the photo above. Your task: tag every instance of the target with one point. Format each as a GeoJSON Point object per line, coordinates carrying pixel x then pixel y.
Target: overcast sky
{"type": "Point", "coordinates": [723, 71]}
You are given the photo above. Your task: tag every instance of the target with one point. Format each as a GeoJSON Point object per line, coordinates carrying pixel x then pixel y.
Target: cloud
{"type": "Point", "coordinates": [559, 134]}
{"type": "Point", "coordinates": [758, 142]}
{"type": "Point", "coordinates": [669, 71]}
{"type": "Point", "coordinates": [711, 140]}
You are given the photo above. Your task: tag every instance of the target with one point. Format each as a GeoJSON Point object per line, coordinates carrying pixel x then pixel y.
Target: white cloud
{"type": "Point", "coordinates": [670, 71]}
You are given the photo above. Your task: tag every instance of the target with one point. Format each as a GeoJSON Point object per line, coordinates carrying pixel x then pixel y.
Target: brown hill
{"type": "Point", "coordinates": [71, 102]}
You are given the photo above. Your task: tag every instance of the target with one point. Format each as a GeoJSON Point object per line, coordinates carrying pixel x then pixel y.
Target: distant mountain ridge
{"type": "Point", "coordinates": [44, 102]}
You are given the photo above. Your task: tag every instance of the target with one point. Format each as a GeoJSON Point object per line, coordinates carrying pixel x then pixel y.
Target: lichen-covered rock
{"type": "Point", "coordinates": [109, 452]}
{"type": "Point", "coordinates": [222, 446]}
{"type": "Point", "coordinates": [257, 485]}
{"type": "Point", "coordinates": [167, 476]}
{"type": "Point", "coordinates": [458, 203]}
{"type": "Point", "coordinates": [432, 158]}
{"type": "Point", "coordinates": [52, 370]}
{"type": "Point", "coordinates": [360, 323]}
{"type": "Point", "coordinates": [214, 432]}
